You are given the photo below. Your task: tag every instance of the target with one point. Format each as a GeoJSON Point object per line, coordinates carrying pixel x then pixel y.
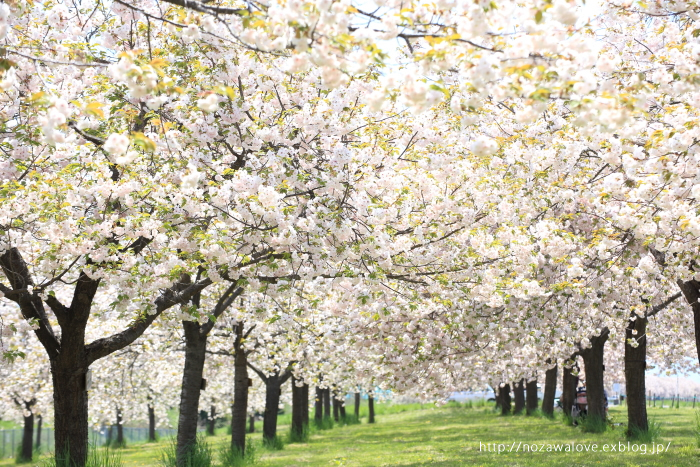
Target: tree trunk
{"type": "Point", "coordinates": [27, 437]}
{"type": "Point", "coordinates": [327, 403]}
{"type": "Point", "coordinates": [120, 429]}
{"type": "Point", "coordinates": [297, 410]}
{"type": "Point", "coordinates": [357, 405]}
{"type": "Point", "coordinates": [195, 354]}
{"type": "Point", "coordinates": [70, 400]}
{"type": "Point", "coordinates": [370, 403]}
{"type": "Point", "coordinates": [336, 409]}
{"type": "Point", "coordinates": [272, 403]}
{"type": "Point", "coordinates": [151, 423]}
{"type": "Point", "coordinates": [212, 421]}
{"type": "Point", "coordinates": [341, 409]}
{"type": "Point", "coordinates": [531, 397]}
{"type": "Point", "coordinates": [39, 420]}
{"type": "Point", "coordinates": [568, 390]}
{"type": "Point", "coordinates": [635, 364]}
{"type": "Point", "coordinates": [251, 423]}
{"type": "Point", "coordinates": [318, 405]}
{"type": "Point", "coordinates": [595, 384]}
{"type": "Point", "coordinates": [240, 393]}
{"type": "Point", "coordinates": [550, 390]}
{"type": "Point", "coordinates": [691, 292]}
{"type": "Point", "coordinates": [519, 393]}
{"type": "Point", "coordinates": [305, 404]}
{"type": "Point", "coordinates": [504, 396]}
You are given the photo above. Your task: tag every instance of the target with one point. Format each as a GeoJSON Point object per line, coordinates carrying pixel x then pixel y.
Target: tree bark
{"type": "Point", "coordinates": [273, 384]}
{"type": "Point", "coordinates": [531, 397]}
{"type": "Point", "coordinates": [550, 390]}
{"type": "Point", "coordinates": [120, 429]}
{"type": "Point", "coordinates": [318, 405]}
{"type": "Point", "coordinates": [370, 403]}
{"type": "Point", "coordinates": [327, 403]}
{"type": "Point", "coordinates": [691, 292]}
{"type": "Point", "coordinates": [357, 405]}
{"type": "Point", "coordinates": [240, 393]}
{"type": "Point", "coordinates": [305, 404]}
{"type": "Point", "coordinates": [341, 409]}
{"type": "Point", "coordinates": [298, 426]}
{"type": "Point", "coordinates": [519, 393]}
{"type": "Point", "coordinates": [336, 408]}
{"type": "Point", "coordinates": [568, 392]}
{"type": "Point", "coordinates": [151, 424]}
{"type": "Point", "coordinates": [504, 396]}
{"type": "Point", "coordinates": [39, 420]}
{"type": "Point", "coordinates": [27, 437]}
{"type": "Point", "coordinates": [251, 423]}
{"type": "Point", "coordinates": [635, 365]}
{"type": "Point", "coordinates": [70, 400]}
{"type": "Point", "coordinates": [195, 355]}
{"type": "Point", "coordinates": [595, 383]}
{"type": "Point", "coordinates": [212, 421]}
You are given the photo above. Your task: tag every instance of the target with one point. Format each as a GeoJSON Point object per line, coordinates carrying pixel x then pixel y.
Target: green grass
{"type": "Point", "coordinates": [456, 435]}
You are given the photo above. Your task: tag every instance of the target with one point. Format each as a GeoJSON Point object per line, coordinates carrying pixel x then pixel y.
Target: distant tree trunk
{"type": "Point", "coordinates": [357, 405]}
{"type": "Point", "coordinates": [251, 424]}
{"type": "Point", "coordinates": [120, 429]}
{"type": "Point", "coordinates": [635, 364]}
{"type": "Point", "coordinates": [568, 392]}
{"type": "Point", "coordinates": [595, 384]}
{"type": "Point", "coordinates": [297, 410]}
{"type": "Point", "coordinates": [531, 397]}
{"type": "Point", "coordinates": [190, 389]}
{"type": "Point", "coordinates": [550, 390]}
{"type": "Point", "coordinates": [341, 408]}
{"type": "Point", "coordinates": [370, 402]}
{"type": "Point", "coordinates": [151, 423]}
{"type": "Point", "coordinates": [305, 404]}
{"type": "Point", "coordinates": [27, 437]}
{"type": "Point", "coordinates": [519, 393]}
{"type": "Point", "coordinates": [39, 420]}
{"type": "Point", "coordinates": [212, 421]}
{"type": "Point", "coordinates": [504, 396]}
{"type": "Point", "coordinates": [327, 403]}
{"type": "Point", "coordinates": [240, 393]}
{"type": "Point", "coordinates": [318, 405]}
{"type": "Point", "coordinates": [273, 384]}
{"type": "Point", "coordinates": [336, 408]}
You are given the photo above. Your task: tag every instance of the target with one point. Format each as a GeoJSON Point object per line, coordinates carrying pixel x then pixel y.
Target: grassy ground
{"type": "Point", "coordinates": [459, 436]}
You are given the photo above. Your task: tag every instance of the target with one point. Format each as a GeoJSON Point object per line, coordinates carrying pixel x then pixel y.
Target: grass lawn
{"type": "Point", "coordinates": [453, 436]}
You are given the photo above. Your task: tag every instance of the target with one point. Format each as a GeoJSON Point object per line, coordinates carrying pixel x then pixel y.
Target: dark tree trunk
{"type": "Point", "coordinates": [691, 292]}
{"type": "Point", "coordinates": [519, 393]}
{"type": "Point", "coordinates": [341, 409]}
{"type": "Point", "coordinates": [336, 409]}
{"type": "Point", "coordinates": [327, 403]}
{"type": "Point", "coordinates": [39, 420]}
{"type": "Point", "coordinates": [251, 424]}
{"type": "Point", "coordinates": [305, 404]}
{"type": "Point", "coordinates": [195, 355]}
{"type": "Point", "coordinates": [70, 400]}
{"type": "Point", "coordinates": [504, 396]}
{"type": "Point", "coordinates": [531, 396]}
{"type": "Point", "coordinates": [273, 384]}
{"type": "Point", "coordinates": [298, 425]}
{"type": "Point", "coordinates": [318, 405]}
{"type": "Point", "coordinates": [568, 390]}
{"type": "Point", "coordinates": [595, 384]}
{"type": "Point", "coordinates": [357, 405]}
{"type": "Point", "coordinates": [120, 428]}
{"type": "Point", "coordinates": [240, 393]}
{"type": "Point", "coordinates": [27, 437]}
{"type": "Point", "coordinates": [151, 423]}
{"type": "Point", "coordinates": [635, 364]}
{"type": "Point", "coordinates": [550, 390]}
{"type": "Point", "coordinates": [370, 403]}
{"type": "Point", "coordinates": [212, 421]}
